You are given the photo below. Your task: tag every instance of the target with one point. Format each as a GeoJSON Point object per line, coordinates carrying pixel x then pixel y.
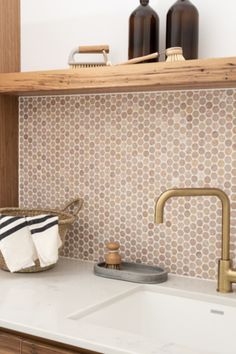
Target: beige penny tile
{"type": "Point", "coordinates": [119, 152]}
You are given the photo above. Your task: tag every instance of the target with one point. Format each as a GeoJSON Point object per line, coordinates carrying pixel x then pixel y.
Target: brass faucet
{"type": "Point", "coordinates": [226, 274]}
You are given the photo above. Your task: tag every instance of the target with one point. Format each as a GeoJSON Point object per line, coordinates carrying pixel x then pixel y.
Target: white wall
{"type": "Point", "coordinates": [51, 28]}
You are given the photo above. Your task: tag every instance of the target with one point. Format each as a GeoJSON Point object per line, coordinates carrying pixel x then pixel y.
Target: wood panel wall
{"type": "Point", "coordinates": [9, 62]}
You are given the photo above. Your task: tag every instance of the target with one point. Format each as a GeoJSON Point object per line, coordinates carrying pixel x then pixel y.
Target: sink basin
{"type": "Point", "coordinates": [168, 317]}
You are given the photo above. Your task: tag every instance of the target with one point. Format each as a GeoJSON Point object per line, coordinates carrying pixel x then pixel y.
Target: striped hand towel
{"type": "Point", "coordinates": [16, 243]}
{"type": "Point", "coordinates": [45, 236]}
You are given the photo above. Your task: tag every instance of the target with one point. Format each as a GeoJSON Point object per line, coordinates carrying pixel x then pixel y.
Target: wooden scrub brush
{"type": "Point", "coordinates": [172, 54]}
{"type": "Point", "coordinates": [93, 49]}
{"type": "Point", "coordinates": [113, 258]}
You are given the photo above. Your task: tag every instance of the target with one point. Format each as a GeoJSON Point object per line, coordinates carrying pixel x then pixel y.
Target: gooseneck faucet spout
{"type": "Point", "coordinates": [226, 275]}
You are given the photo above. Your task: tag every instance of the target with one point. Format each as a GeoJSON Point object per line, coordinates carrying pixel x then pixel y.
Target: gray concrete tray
{"type": "Point", "coordinates": [133, 272]}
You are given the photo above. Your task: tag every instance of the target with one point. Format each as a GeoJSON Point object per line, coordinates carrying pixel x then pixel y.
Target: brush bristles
{"type": "Point", "coordinates": [112, 266]}
{"type": "Point", "coordinates": [174, 54]}
{"type": "Point", "coordinates": [175, 58]}
{"type": "Point", "coordinates": [85, 65]}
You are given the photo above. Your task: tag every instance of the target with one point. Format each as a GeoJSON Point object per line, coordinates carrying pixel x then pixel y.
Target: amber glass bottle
{"type": "Point", "coordinates": [143, 31]}
{"type": "Point", "coordinates": [182, 28]}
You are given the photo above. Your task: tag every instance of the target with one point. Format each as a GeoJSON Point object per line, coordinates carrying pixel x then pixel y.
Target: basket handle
{"type": "Point", "coordinates": [77, 203]}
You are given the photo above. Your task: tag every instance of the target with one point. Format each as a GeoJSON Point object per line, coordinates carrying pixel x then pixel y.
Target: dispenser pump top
{"type": "Point", "coordinates": [144, 2]}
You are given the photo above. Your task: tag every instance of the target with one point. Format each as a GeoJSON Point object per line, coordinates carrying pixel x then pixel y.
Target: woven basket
{"type": "Point", "coordinates": [66, 218]}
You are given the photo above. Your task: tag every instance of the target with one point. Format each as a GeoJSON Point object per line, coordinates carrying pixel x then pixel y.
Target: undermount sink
{"type": "Point", "coordinates": [177, 321]}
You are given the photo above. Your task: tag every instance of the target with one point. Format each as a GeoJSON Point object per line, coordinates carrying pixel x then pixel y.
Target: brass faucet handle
{"type": "Point", "coordinates": [113, 258]}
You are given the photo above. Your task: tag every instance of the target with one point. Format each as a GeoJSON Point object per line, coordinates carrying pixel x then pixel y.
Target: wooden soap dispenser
{"type": "Point", "coordinates": [113, 258]}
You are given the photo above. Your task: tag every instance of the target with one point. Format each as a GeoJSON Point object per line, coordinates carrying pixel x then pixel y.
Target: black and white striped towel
{"type": "Point", "coordinates": [45, 236]}
{"type": "Point", "coordinates": [16, 243]}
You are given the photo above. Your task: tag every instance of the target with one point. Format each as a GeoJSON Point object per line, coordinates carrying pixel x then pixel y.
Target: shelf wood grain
{"type": "Point", "coordinates": [192, 74]}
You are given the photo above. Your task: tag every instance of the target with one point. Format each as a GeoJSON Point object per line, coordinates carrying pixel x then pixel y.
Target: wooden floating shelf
{"type": "Point", "coordinates": [192, 74]}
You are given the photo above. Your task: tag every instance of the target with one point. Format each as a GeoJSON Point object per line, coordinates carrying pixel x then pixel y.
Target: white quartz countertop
{"type": "Point", "coordinates": [40, 304]}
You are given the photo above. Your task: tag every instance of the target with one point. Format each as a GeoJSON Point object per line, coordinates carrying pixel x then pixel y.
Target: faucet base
{"type": "Point", "coordinates": [224, 281]}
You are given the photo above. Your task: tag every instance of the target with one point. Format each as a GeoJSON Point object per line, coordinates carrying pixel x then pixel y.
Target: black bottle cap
{"type": "Point", "coordinates": [144, 2]}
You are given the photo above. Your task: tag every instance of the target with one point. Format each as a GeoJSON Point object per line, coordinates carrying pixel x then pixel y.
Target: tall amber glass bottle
{"type": "Point", "coordinates": [143, 31]}
{"type": "Point", "coordinates": [182, 28]}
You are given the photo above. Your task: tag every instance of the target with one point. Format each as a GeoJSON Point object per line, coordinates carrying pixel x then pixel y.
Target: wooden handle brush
{"type": "Point", "coordinates": [172, 54]}
{"type": "Point", "coordinates": [89, 49]}
{"type": "Point", "coordinates": [113, 258]}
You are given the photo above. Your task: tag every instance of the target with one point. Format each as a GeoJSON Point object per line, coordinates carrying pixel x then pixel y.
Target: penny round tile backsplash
{"type": "Point", "coordinates": [119, 152]}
